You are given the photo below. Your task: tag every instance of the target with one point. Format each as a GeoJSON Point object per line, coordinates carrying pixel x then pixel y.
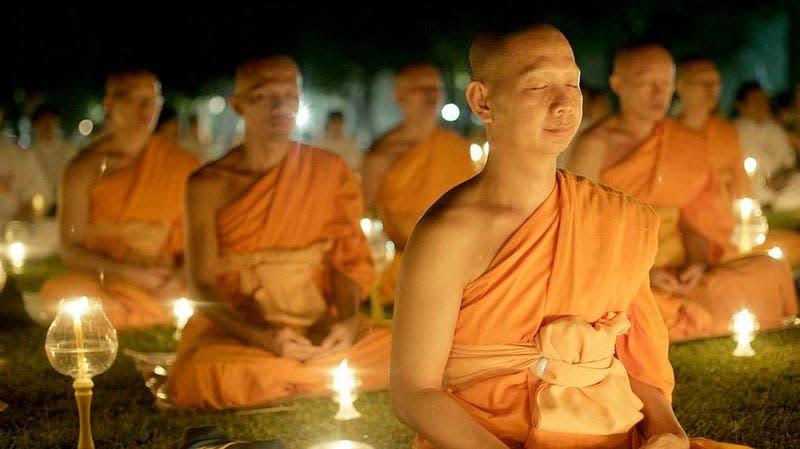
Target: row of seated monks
{"type": "Point", "coordinates": [266, 239]}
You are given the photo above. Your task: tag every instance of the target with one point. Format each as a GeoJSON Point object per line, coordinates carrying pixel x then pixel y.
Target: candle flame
{"type": "Point", "coordinates": [775, 252]}
{"type": "Point", "coordinates": [182, 309]}
{"type": "Point", "coordinates": [16, 254]}
{"type": "Point", "coordinates": [77, 307]}
{"type": "Point", "coordinates": [750, 165]}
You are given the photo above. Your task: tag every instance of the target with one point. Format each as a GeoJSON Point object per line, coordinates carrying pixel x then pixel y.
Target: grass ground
{"type": "Point", "coordinates": [754, 401]}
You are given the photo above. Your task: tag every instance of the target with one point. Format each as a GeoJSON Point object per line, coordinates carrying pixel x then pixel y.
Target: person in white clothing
{"type": "Point", "coordinates": [776, 181]}
{"type": "Point", "coordinates": [51, 150]}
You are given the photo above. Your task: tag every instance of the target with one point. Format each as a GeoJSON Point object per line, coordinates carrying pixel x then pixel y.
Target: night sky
{"type": "Point", "coordinates": [67, 49]}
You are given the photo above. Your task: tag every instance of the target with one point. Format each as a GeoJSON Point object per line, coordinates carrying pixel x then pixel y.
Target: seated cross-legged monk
{"type": "Point", "coordinates": [698, 85]}
{"type": "Point", "coordinates": [121, 212]}
{"type": "Point", "coordinates": [277, 262]}
{"type": "Point", "coordinates": [412, 164]}
{"type": "Point", "coordinates": [641, 152]}
{"type": "Point", "coordinates": [524, 316]}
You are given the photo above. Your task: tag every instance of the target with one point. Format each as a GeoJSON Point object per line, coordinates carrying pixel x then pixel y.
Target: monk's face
{"type": "Point", "coordinates": [534, 96]}
{"type": "Point", "coordinates": [267, 97]}
{"type": "Point", "coordinates": [644, 81]}
{"type": "Point", "coordinates": [418, 92]}
{"type": "Point", "coordinates": [755, 105]}
{"type": "Point", "coordinates": [134, 103]}
{"type": "Point", "coordinates": [699, 86]}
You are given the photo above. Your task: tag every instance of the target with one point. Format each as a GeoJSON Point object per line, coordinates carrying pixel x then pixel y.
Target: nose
{"type": "Point", "coordinates": [565, 101]}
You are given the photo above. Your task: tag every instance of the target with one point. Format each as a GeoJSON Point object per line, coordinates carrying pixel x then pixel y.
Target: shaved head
{"type": "Point", "coordinates": [628, 60]}
{"type": "Point", "coordinates": [492, 41]}
{"type": "Point", "coordinates": [119, 83]}
{"type": "Point", "coordinates": [255, 72]}
{"type": "Point", "coordinates": [690, 67]}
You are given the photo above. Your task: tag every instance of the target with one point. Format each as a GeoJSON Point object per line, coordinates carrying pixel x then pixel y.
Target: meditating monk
{"type": "Point", "coordinates": [524, 316]}
{"type": "Point", "coordinates": [698, 85]}
{"type": "Point", "coordinates": [640, 151]}
{"type": "Point", "coordinates": [412, 164]}
{"type": "Point", "coordinates": [277, 262]}
{"type": "Point", "coordinates": [120, 214]}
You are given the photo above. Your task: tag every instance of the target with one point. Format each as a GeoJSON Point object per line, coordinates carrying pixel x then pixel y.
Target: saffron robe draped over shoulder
{"type": "Point", "coordinates": [669, 171]}
{"type": "Point", "coordinates": [412, 184]}
{"type": "Point", "coordinates": [584, 253]}
{"type": "Point", "coordinates": [280, 242]}
{"type": "Point", "coordinates": [570, 286]}
{"type": "Point", "coordinates": [136, 216]}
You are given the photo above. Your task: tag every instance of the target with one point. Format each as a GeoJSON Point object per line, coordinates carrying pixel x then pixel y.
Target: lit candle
{"type": "Point", "coordinates": [16, 255]}
{"type": "Point", "coordinates": [750, 166]}
{"type": "Point", "coordinates": [183, 310]}
{"type": "Point", "coordinates": [76, 309]}
{"type": "Point", "coordinates": [344, 383]}
{"type": "Point", "coordinates": [744, 326]}
{"type": "Point", "coordinates": [746, 208]}
{"type": "Point", "coordinates": [366, 227]}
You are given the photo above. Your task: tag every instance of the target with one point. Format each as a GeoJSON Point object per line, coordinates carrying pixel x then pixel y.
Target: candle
{"type": "Point", "coordinates": [16, 255]}
{"type": "Point", "coordinates": [76, 309]}
{"type": "Point", "coordinates": [775, 252]}
{"type": "Point", "coordinates": [37, 205]}
{"type": "Point", "coordinates": [744, 326]}
{"type": "Point", "coordinates": [183, 310]}
{"type": "Point", "coordinates": [750, 166]}
{"type": "Point", "coordinates": [344, 383]}
{"type": "Point", "coordinates": [746, 207]}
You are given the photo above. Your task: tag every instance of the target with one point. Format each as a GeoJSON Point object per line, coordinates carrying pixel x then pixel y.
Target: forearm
{"type": "Point", "coordinates": [659, 417]}
{"type": "Point", "coordinates": [76, 256]}
{"type": "Point", "coordinates": [346, 295]}
{"type": "Point", "coordinates": [437, 417]}
{"type": "Point", "coordinates": [220, 312]}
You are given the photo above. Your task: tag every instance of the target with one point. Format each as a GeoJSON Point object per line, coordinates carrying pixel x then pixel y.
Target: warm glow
{"type": "Point", "coordinates": [750, 165]}
{"type": "Point", "coordinates": [183, 310]}
{"type": "Point", "coordinates": [775, 252]}
{"type": "Point", "coordinates": [303, 116]}
{"type": "Point", "coordinates": [450, 112]}
{"type": "Point", "coordinates": [77, 307]}
{"type": "Point", "coordinates": [344, 384]}
{"type": "Point", "coordinates": [744, 327]}
{"type": "Point", "coordinates": [37, 204]}
{"type": "Point", "coordinates": [746, 208]}
{"type": "Point", "coordinates": [366, 226]}
{"type": "Point", "coordinates": [16, 254]}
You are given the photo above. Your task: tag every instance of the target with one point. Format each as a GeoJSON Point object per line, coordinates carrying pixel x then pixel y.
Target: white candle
{"type": "Point", "coordinates": [344, 383]}
{"type": "Point", "coordinates": [744, 326]}
{"type": "Point", "coordinates": [76, 309]}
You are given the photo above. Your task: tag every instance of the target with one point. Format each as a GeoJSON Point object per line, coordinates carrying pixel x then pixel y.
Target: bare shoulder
{"type": "Point", "coordinates": [589, 151]}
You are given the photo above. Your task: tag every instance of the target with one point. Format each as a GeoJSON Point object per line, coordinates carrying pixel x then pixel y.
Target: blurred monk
{"type": "Point", "coordinates": [121, 210]}
{"type": "Point", "coordinates": [414, 163]}
{"type": "Point", "coordinates": [524, 316]}
{"type": "Point", "coordinates": [276, 259]}
{"type": "Point", "coordinates": [666, 164]}
{"type": "Point", "coordinates": [698, 86]}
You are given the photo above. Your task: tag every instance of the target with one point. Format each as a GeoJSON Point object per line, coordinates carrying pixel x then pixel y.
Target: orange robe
{"type": "Point", "coordinates": [303, 217]}
{"type": "Point", "coordinates": [726, 157]}
{"type": "Point", "coordinates": [669, 171]}
{"type": "Point", "coordinates": [412, 184]}
{"type": "Point", "coordinates": [571, 283]}
{"type": "Point", "coordinates": [135, 215]}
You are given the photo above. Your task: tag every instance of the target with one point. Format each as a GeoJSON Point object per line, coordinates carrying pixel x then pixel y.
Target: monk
{"type": "Point", "coordinates": [698, 85]}
{"type": "Point", "coordinates": [412, 164]}
{"type": "Point", "coordinates": [121, 212]}
{"type": "Point", "coordinates": [276, 260]}
{"type": "Point", "coordinates": [524, 317]}
{"type": "Point", "coordinates": [666, 164]}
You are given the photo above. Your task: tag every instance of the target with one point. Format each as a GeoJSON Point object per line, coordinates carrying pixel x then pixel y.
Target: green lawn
{"type": "Point", "coordinates": [755, 401]}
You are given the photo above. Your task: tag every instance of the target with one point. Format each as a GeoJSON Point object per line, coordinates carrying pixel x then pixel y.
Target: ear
{"type": "Point", "coordinates": [614, 83]}
{"type": "Point", "coordinates": [478, 101]}
{"type": "Point", "coordinates": [236, 104]}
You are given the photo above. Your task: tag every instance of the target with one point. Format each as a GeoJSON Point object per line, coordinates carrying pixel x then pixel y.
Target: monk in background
{"type": "Point", "coordinates": [413, 164]}
{"type": "Point", "coordinates": [277, 262]}
{"type": "Point", "coordinates": [666, 164]}
{"type": "Point", "coordinates": [121, 212]}
{"type": "Point", "coordinates": [698, 85]}
{"type": "Point", "coordinates": [524, 316]}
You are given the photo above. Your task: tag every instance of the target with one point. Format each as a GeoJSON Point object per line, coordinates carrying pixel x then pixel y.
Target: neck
{"type": "Point", "coordinates": [636, 125]}
{"type": "Point", "coordinates": [694, 118]}
{"type": "Point", "coordinates": [129, 142]}
{"type": "Point", "coordinates": [518, 181]}
{"type": "Point", "coordinates": [420, 128]}
{"type": "Point", "coordinates": [263, 154]}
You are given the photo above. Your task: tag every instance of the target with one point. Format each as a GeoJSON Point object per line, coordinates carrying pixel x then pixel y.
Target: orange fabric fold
{"type": "Point", "coordinates": [585, 252]}
{"type": "Point", "coordinates": [670, 171]}
{"type": "Point", "coordinates": [726, 156]}
{"type": "Point", "coordinates": [303, 216]}
{"type": "Point", "coordinates": [584, 389]}
{"type": "Point", "coordinates": [136, 216]}
{"type": "Point", "coordinates": [412, 184]}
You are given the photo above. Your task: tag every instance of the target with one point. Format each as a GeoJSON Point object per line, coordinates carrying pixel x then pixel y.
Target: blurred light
{"type": "Point", "coordinates": [216, 105]}
{"type": "Point", "coordinates": [302, 117]}
{"type": "Point", "coordinates": [475, 152]}
{"type": "Point", "coordinates": [775, 252]}
{"type": "Point", "coordinates": [750, 165]}
{"type": "Point", "coordinates": [85, 127]}
{"type": "Point", "coordinates": [450, 112]}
